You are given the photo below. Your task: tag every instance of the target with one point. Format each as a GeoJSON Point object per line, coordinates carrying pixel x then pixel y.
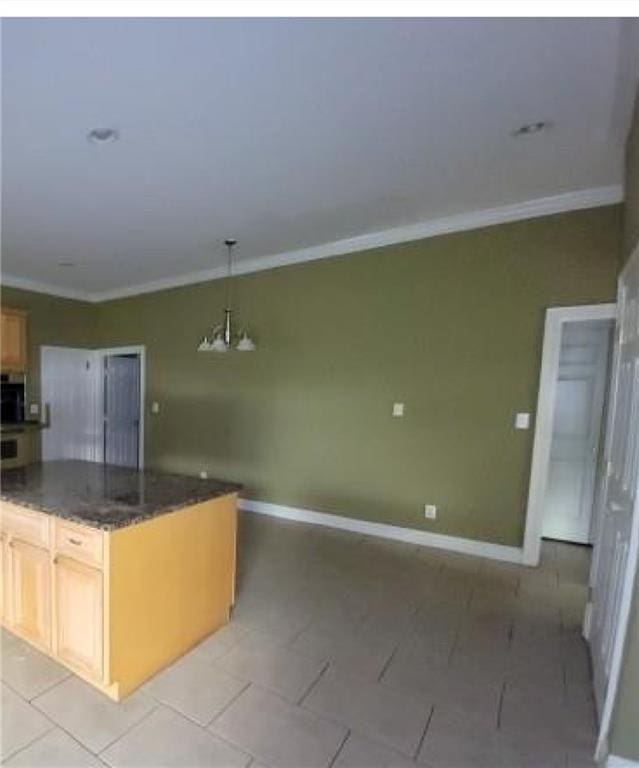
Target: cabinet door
{"type": "Point", "coordinates": [78, 615]}
{"type": "Point", "coordinates": [14, 340]}
{"type": "Point", "coordinates": [29, 591]}
{"type": "Point", "coordinates": [3, 580]}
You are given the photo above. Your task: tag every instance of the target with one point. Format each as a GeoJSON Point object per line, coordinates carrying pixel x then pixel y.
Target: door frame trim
{"type": "Point", "coordinates": [555, 319]}
{"type": "Point", "coordinates": [626, 603]}
{"type": "Point", "coordinates": [140, 350]}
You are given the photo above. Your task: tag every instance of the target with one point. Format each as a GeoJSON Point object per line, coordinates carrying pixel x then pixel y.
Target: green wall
{"type": "Point", "coordinates": [452, 326]}
{"type": "Point", "coordinates": [625, 727]}
{"type": "Point", "coordinates": [631, 187]}
{"type": "Point", "coordinates": [52, 320]}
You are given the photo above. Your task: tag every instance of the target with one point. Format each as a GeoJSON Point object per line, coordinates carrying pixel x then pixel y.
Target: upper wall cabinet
{"type": "Point", "coordinates": [13, 353]}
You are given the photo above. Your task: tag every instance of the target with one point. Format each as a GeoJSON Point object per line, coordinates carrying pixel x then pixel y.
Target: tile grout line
{"type": "Point", "coordinates": [420, 744]}
{"type": "Point", "coordinates": [128, 730]}
{"type": "Point", "coordinates": [49, 688]}
{"type": "Point", "coordinates": [340, 748]}
{"type": "Point", "coordinates": [27, 745]}
{"type": "Point", "coordinates": [226, 706]}
{"type": "Point", "coordinates": [54, 724]}
{"type": "Point", "coordinates": [297, 635]}
{"type": "Point", "coordinates": [204, 728]}
{"type": "Point", "coordinates": [501, 704]}
{"type": "Point", "coordinates": [313, 684]}
{"type": "Point", "coordinates": [453, 648]}
{"type": "Point", "coordinates": [387, 664]}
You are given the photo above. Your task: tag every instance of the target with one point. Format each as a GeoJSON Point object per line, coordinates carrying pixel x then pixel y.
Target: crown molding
{"type": "Point", "coordinates": [11, 281]}
{"type": "Point", "coordinates": [529, 209]}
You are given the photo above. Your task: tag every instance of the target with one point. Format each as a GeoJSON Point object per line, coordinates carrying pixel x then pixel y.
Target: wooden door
{"type": "Point", "coordinates": [616, 546]}
{"type": "Point", "coordinates": [13, 332]}
{"type": "Point", "coordinates": [579, 401]}
{"type": "Point", "coordinates": [29, 591]}
{"type": "Point", "coordinates": [78, 615]}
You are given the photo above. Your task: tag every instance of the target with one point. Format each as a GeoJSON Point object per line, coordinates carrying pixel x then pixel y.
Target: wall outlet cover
{"type": "Point", "coordinates": [155, 407]}
{"type": "Point", "coordinates": [430, 511]}
{"type": "Point", "coordinates": [204, 474]}
{"type": "Point", "coordinates": [522, 420]}
{"type": "Point", "coordinates": [398, 410]}
{"type": "Point", "coordinates": [34, 409]}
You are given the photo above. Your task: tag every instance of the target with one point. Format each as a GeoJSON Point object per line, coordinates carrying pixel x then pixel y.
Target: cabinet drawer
{"type": "Point", "coordinates": [30, 526]}
{"type": "Point", "coordinates": [79, 542]}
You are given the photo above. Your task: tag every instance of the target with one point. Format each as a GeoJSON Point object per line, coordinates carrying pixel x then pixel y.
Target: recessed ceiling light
{"type": "Point", "coordinates": [103, 135]}
{"type": "Point", "coordinates": [67, 264]}
{"type": "Point", "coordinates": [529, 129]}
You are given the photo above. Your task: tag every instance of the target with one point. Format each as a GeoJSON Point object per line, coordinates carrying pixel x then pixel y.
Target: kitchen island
{"type": "Point", "coordinates": [115, 572]}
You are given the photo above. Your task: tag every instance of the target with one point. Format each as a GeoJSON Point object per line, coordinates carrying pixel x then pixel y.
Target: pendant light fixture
{"type": "Point", "coordinates": [223, 337]}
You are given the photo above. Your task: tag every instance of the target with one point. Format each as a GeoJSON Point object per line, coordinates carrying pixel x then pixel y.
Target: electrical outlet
{"type": "Point", "coordinates": [430, 511]}
{"type": "Point", "coordinates": [398, 410]}
{"type": "Point", "coordinates": [204, 475]}
{"type": "Point", "coordinates": [34, 409]}
{"type": "Point", "coordinates": [155, 407]}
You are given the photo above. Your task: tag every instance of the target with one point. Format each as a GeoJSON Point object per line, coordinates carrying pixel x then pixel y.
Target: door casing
{"type": "Point", "coordinates": [555, 319]}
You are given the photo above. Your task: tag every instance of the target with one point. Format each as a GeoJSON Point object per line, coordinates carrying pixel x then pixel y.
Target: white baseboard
{"type": "Point", "coordinates": [615, 761]}
{"type": "Point", "coordinates": [585, 630]}
{"type": "Point", "coordinates": [384, 531]}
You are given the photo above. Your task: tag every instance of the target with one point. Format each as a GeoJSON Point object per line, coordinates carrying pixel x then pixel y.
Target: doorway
{"type": "Point", "coordinates": [580, 393]}
{"type": "Point", "coordinates": [122, 412]}
{"type": "Point", "coordinates": [574, 374]}
{"type": "Point", "coordinates": [93, 401]}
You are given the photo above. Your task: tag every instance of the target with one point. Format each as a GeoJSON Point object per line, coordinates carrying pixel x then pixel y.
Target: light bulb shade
{"type": "Point", "coordinates": [219, 345]}
{"type": "Point", "coordinates": [245, 344]}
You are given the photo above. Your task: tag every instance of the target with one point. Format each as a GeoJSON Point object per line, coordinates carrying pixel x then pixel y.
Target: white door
{"type": "Point", "coordinates": [70, 397]}
{"type": "Point", "coordinates": [121, 409]}
{"type": "Point", "coordinates": [615, 554]}
{"type": "Point", "coordinates": [579, 402]}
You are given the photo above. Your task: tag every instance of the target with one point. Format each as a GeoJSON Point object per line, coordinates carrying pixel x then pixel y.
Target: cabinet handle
{"type": "Point", "coordinates": [77, 542]}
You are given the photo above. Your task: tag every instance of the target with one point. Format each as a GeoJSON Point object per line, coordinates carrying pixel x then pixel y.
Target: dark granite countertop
{"type": "Point", "coordinates": [9, 428]}
{"type": "Point", "coordinates": [104, 496]}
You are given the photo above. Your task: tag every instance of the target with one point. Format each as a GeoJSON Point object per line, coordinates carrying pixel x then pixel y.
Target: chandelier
{"type": "Point", "coordinates": [223, 337]}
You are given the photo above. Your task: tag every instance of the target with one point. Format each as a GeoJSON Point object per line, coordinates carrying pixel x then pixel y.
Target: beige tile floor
{"type": "Point", "coordinates": [342, 651]}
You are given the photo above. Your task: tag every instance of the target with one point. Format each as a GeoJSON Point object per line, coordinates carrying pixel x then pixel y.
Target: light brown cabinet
{"type": "Point", "coordinates": [117, 606]}
{"type": "Point", "coordinates": [13, 340]}
{"type": "Point", "coordinates": [2, 579]}
{"type": "Point", "coordinates": [29, 592]}
{"type": "Point", "coordinates": [78, 621]}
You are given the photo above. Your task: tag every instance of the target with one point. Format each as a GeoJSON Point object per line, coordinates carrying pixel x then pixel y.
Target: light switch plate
{"type": "Point", "coordinates": [430, 511]}
{"type": "Point", "coordinates": [522, 420]}
{"type": "Point", "coordinates": [398, 410]}
{"type": "Point", "coordinates": [155, 407]}
{"type": "Point", "coordinates": [34, 409]}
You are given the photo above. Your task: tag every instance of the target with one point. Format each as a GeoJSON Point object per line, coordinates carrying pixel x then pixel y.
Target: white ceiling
{"type": "Point", "coordinates": [289, 134]}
